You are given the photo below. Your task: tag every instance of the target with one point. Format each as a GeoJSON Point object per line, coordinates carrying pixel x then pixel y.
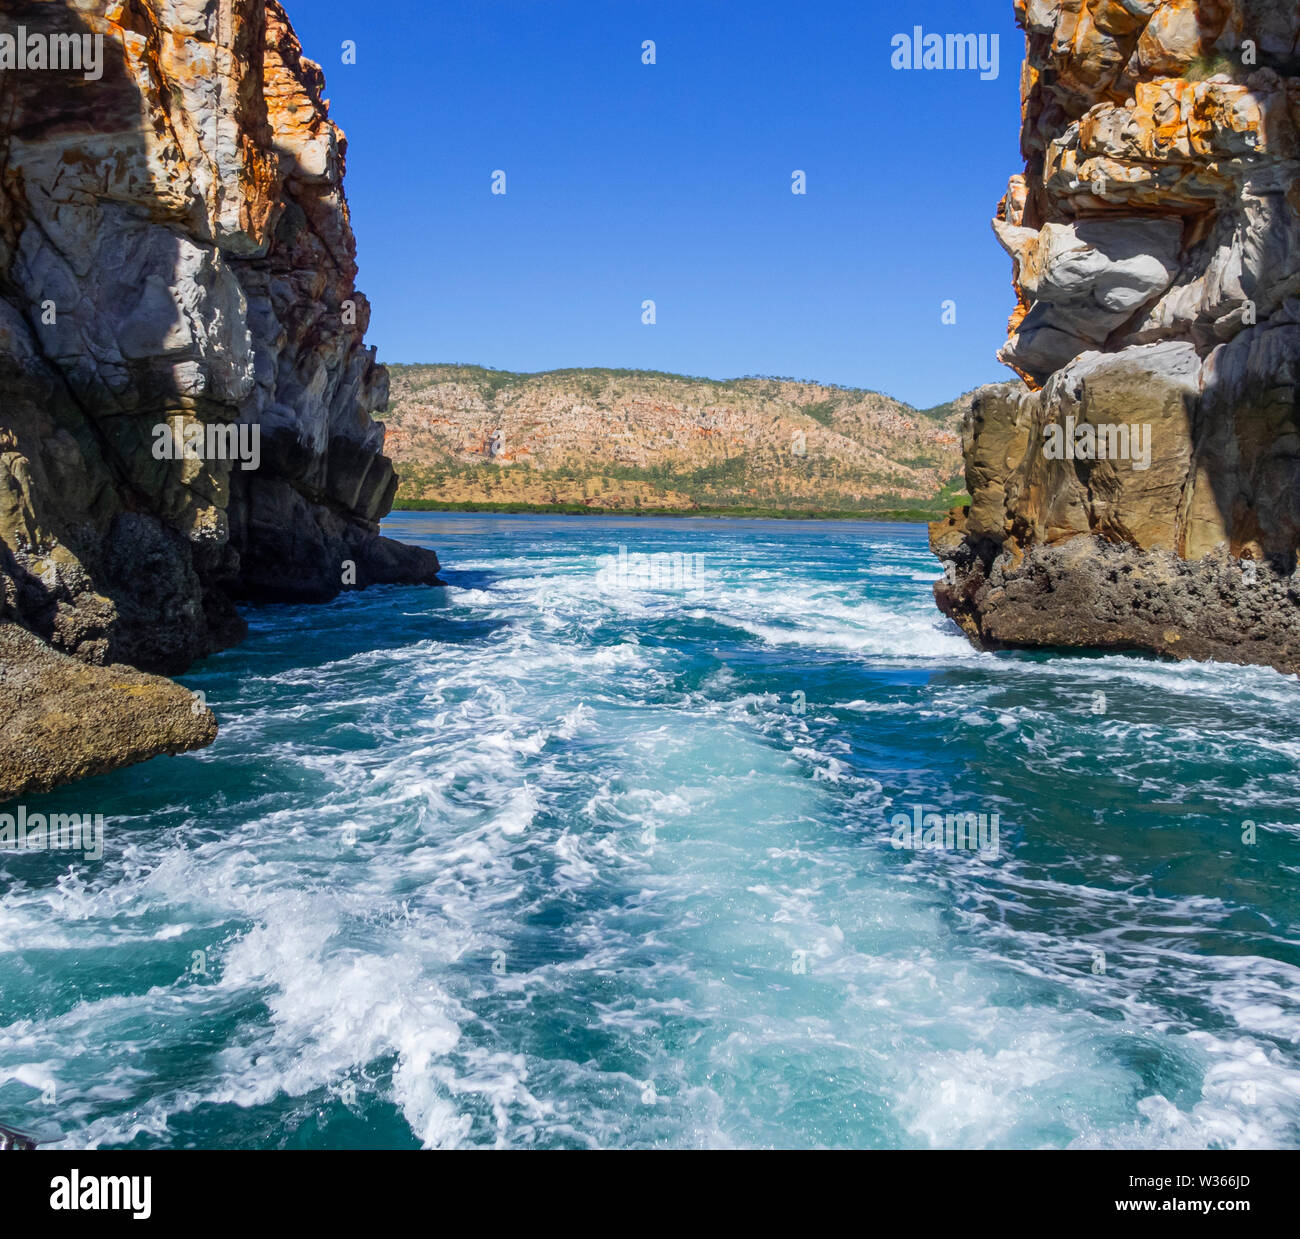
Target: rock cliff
{"type": "Point", "coordinates": [176, 252]}
{"type": "Point", "coordinates": [1140, 488]}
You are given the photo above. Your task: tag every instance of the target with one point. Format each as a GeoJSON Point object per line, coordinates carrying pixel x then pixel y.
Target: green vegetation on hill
{"type": "Point", "coordinates": [644, 441]}
{"type": "Point", "coordinates": [910, 515]}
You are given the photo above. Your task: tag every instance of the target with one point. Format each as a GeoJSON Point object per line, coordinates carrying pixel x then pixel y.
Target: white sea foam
{"type": "Point", "coordinates": [542, 870]}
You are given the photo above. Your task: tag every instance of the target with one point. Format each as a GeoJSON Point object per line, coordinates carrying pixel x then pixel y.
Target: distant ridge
{"type": "Point", "coordinates": [611, 440]}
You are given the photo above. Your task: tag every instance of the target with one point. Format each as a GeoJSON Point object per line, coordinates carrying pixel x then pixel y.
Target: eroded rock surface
{"type": "Point", "coordinates": [175, 248]}
{"type": "Point", "coordinates": [1155, 241]}
{"type": "Point", "coordinates": [65, 719]}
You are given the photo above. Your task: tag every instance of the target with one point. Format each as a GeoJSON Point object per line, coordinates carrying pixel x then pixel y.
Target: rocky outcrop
{"type": "Point", "coordinates": [66, 719]}
{"type": "Point", "coordinates": [176, 251]}
{"type": "Point", "coordinates": [1140, 488]}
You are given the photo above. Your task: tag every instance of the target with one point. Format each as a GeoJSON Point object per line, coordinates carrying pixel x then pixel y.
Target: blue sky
{"type": "Point", "coordinates": [671, 182]}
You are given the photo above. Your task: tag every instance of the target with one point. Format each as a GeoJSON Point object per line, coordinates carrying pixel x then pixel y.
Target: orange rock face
{"type": "Point", "coordinates": [176, 250]}
{"type": "Point", "coordinates": [1182, 110]}
{"type": "Point", "coordinates": [1155, 244]}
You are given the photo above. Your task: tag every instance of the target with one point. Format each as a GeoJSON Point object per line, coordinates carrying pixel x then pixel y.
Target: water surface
{"type": "Point", "coordinates": [533, 860]}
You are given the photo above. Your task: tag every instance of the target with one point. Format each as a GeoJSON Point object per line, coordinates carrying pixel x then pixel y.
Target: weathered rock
{"type": "Point", "coordinates": [175, 249]}
{"type": "Point", "coordinates": [1155, 236]}
{"type": "Point", "coordinates": [1093, 594]}
{"type": "Point", "coordinates": [65, 719]}
{"type": "Point", "coordinates": [1083, 281]}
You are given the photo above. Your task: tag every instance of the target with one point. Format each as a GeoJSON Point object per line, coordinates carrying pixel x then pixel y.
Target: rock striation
{"type": "Point", "coordinates": [176, 250]}
{"type": "Point", "coordinates": [1155, 243]}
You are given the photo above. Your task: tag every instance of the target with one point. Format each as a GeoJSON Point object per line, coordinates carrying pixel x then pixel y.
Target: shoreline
{"type": "Point", "coordinates": [899, 516]}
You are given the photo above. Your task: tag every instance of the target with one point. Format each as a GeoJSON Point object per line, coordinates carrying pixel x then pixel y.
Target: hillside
{"type": "Point", "coordinates": [623, 440]}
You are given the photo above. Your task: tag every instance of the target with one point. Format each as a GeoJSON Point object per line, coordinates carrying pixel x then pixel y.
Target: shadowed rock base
{"type": "Point", "coordinates": [1090, 594]}
{"type": "Point", "coordinates": [66, 720]}
{"type": "Point", "coordinates": [1190, 556]}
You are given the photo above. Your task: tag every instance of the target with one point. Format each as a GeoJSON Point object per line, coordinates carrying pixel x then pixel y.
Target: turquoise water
{"type": "Point", "coordinates": [536, 860]}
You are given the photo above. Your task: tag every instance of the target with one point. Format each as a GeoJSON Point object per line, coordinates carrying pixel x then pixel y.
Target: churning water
{"type": "Point", "coordinates": [560, 857]}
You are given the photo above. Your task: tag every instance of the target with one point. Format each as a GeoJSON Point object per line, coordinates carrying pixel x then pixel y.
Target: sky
{"type": "Point", "coordinates": [671, 182]}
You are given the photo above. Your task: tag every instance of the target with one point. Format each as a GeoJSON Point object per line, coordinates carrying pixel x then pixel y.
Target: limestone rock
{"type": "Point", "coordinates": [176, 251]}
{"type": "Point", "coordinates": [1083, 281]}
{"type": "Point", "coordinates": [66, 719]}
{"type": "Point", "coordinates": [1155, 237]}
